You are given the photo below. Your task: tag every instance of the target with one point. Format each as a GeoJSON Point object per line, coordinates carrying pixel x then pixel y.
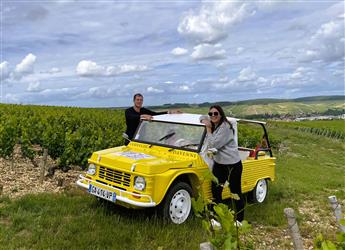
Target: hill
{"type": "Point", "coordinates": [270, 108]}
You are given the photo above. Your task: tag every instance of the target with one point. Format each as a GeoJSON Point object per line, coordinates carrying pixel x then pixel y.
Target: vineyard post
{"type": "Point", "coordinates": [206, 246]}
{"type": "Point", "coordinates": [43, 164]}
{"type": "Point", "coordinates": [12, 161]}
{"type": "Point", "coordinates": [337, 211]}
{"type": "Point", "coordinates": [296, 237]}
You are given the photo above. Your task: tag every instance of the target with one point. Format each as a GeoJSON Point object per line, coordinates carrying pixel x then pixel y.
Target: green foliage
{"type": "Point", "coordinates": [26, 149]}
{"type": "Point", "coordinates": [226, 235]}
{"type": "Point", "coordinates": [69, 134]}
{"type": "Point", "coordinates": [8, 137]}
{"type": "Point", "coordinates": [320, 243]}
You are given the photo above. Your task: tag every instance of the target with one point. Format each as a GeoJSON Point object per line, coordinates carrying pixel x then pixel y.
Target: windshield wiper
{"type": "Point", "coordinates": [167, 136]}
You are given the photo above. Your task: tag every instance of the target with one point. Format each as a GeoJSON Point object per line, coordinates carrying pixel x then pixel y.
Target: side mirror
{"type": "Point", "coordinates": [125, 136]}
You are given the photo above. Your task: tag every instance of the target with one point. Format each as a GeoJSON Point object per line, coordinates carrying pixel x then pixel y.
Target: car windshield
{"type": "Point", "coordinates": [173, 135]}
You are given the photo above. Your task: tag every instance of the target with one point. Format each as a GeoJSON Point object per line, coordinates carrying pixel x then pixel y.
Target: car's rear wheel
{"type": "Point", "coordinates": [178, 203]}
{"type": "Point", "coordinates": [260, 191]}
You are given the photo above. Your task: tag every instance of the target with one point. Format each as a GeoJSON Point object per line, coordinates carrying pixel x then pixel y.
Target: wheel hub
{"type": "Point", "coordinates": [180, 206]}
{"type": "Point", "coordinates": [261, 190]}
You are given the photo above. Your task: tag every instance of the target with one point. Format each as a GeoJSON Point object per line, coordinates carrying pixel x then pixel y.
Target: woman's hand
{"type": "Point", "coordinates": [207, 124]}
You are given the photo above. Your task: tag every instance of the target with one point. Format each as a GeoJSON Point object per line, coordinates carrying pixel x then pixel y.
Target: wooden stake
{"type": "Point", "coordinates": [296, 237]}
{"type": "Point", "coordinates": [206, 246]}
{"type": "Point", "coordinates": [337, 211]}
{"type": "Point", "coordinates": [43, 164]}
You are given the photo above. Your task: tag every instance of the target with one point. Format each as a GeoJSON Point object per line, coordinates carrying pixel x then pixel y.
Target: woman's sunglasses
{"type": "Point", "coordinates": [213, 113]}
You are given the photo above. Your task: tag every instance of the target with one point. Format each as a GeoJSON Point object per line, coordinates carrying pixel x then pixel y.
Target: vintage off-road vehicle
{"type": "Point", "coordinates": [166, 163]}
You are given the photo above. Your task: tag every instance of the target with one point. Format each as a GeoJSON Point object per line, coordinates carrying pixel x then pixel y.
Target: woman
{"type": "Point", "coordinates": [227, 162]}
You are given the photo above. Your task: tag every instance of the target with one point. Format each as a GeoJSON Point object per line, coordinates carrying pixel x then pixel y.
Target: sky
{"type": "Point", "coordinates": [100, 53]}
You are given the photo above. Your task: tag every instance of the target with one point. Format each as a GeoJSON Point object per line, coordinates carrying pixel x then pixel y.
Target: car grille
{"type": "Point", "coordinates": [115, 176]}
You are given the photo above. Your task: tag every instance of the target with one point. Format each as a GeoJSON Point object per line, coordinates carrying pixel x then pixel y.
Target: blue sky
{"type": "Point", "coordinates": [99, 53]}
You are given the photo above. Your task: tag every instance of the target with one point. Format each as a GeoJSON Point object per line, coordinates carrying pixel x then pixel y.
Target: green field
{"type": "Point", "coordinates": [292, 108]}
{"type": "Point", "coordinates": [309, 169]}
{"type": "Point", "coordinates": [334, 125]}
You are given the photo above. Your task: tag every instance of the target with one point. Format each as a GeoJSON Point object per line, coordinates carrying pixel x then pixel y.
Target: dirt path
{"type": "Point", "coordinates": [21, 177]}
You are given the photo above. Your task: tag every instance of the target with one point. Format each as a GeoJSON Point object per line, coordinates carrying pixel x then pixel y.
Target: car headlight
{"type": "Point", "coordinates": [91, 170]}
{"type": "Point", "coordinates": [139, 183]}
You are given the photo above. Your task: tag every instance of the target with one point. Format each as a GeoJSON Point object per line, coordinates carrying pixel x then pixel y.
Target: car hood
{"type": "Point", "coordinates": [146, 160]}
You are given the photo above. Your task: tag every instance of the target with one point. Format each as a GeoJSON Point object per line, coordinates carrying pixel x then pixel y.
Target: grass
{"type": "Point", "coordinates": [76, 221]}
{"type": "Point", "coordinates": [309, 169]}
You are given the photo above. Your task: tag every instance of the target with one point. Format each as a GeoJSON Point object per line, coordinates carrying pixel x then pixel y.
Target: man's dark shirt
{"type": "Point", "coordinates": [133, 119]}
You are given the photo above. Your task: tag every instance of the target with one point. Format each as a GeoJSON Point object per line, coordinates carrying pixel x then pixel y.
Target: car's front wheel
{"type": "Point", "coordinates": [178, 203]}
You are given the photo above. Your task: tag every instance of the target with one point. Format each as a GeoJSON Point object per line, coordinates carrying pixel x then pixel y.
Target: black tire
{"type": "Point", "coordinates": [177, 204]}
{"type": "Point", "coordinates": [260, 192]}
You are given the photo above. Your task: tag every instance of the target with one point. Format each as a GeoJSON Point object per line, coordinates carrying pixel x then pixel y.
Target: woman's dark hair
{"type": "Point", "coordinates": [222, 116]}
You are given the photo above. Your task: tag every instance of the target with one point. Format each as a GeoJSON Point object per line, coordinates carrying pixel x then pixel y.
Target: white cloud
{"type": "Point", "coordinates": [154, 90]}
{"type": "Point", "coordinates": [11, 98]}
{"type": "Point", "coordinates": [34, 87]}
{"type": "Point", "coordinates": [329, 30]}
{"type": "Point", "coordinates": [239, 50]}
{"type": "Point", "coordinates": [308, 55]}
{"type": "Point", "coordinates": [184, 88]}
{"type": "Point", "coordinates": [327, 44]}
{"type": "Point", "coordinates": [59, 93]}
{"type": "Point", "coordinates": [212, 22]}
{"type": "Point", "coordinates": [99, 92]}
{"type": "Point", "coordinates": [247, 74]}
{"type": "Point", "coordinates": [179, 51]}
{"type": "Point", "coordinates": [207, 51]}
{"type": "Point", "coordinates": [338, 72]}
{"type": "Point", "coordinates": [224, 79]}
{"type": "Point", "coordinates": [91, 69]}
{"type": "Point", "coordinates": [25, 67]}
{"type": "Point", "coordinates": [4, 70]}
{"type": "Point", "coordinates": [300, 73]}
{"type": "Point", "coordinates": [126, 68]}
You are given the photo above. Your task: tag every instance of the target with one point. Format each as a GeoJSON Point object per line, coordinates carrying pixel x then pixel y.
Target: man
{"type": "Point", "coordinates": [137, 112]}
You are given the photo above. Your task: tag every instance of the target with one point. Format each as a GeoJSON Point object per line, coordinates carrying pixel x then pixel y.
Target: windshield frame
{"type": "Point", "coordinates": [201, 142]}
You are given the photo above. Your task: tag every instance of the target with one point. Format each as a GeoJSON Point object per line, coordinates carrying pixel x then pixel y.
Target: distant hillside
{"type": "Point", "coordinates": [253, 102]}
{"type": "Point", "coordinates": [270, 108]}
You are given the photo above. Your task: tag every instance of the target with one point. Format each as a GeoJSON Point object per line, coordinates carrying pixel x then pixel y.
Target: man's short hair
{"type": "Point", "coordinates": [137, 94]}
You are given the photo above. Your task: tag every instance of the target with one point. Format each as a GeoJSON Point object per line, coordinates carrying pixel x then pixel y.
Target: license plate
{"type": "Point", "coordinates": [102, 193]}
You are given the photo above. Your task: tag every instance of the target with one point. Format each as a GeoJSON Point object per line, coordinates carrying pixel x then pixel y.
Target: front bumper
{"type": "Point", "coordinates": [120, 194]}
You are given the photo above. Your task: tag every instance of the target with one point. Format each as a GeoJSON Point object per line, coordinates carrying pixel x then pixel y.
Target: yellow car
{"type": "Point", "coordinates": [166, 163]}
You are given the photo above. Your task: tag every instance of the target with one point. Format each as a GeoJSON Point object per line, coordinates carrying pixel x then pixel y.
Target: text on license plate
{"type": "Point", "coordinates": [102, 193]}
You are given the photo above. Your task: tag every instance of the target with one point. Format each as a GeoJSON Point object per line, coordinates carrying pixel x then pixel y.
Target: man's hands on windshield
{"type": "Point", "coordinates": [175, 111]}
{"type": "Point", "coordinates": [146, 117]}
